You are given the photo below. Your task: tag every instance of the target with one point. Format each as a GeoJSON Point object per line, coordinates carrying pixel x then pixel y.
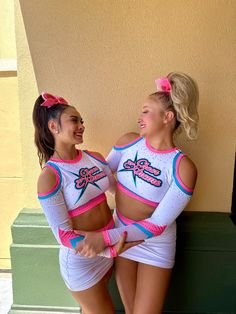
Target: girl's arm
{"type": "Point", "coordinates": [52, 201]}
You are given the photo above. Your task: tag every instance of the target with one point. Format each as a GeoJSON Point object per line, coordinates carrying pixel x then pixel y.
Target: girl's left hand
{"type": "Point", "coordinates": [92, 244]}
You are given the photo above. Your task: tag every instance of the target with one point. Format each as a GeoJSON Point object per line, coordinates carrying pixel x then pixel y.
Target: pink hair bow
{"type": "Point", "coordinates": [51, 100]}
{"type": "Point", "coordinates": [163, 85]}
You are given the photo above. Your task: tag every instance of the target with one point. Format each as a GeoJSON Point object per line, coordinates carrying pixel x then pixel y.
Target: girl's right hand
{"type": "Point", "coordinates": [122, 246]}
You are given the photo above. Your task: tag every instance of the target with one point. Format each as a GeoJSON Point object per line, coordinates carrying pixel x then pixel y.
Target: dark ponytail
{"type": "Point", "coordinates": [43, 137]}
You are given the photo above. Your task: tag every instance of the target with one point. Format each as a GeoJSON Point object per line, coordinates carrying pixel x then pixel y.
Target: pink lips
{"type": "Point", "coordinates": [79, 134]}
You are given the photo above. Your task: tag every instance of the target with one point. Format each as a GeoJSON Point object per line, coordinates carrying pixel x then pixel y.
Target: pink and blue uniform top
{"type": "Point", "coordinates": [151, 177]}
{"type": "Point", "coordinates": [80, 185]}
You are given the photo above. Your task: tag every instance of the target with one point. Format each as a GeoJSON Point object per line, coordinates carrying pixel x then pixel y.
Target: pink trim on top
{"type": "Point", "coordinates": [92, 203]}
{"type": "Point", "coordinates": [69, 161]}
{"type": "Point", "coordinates": [56, 184]}
{"type": "Point", "coordinates": [110, 225]}
{"type": "Point", "coordinates": [177, 174]}
{"type": "Point", "coordinates": [120, 146]}
{"type": "Point", "coordinates": [124, 219]}
{"type": "Point", "coordinates": [159, 151]}
{"type": "Point", "coordinates": [137, 197]}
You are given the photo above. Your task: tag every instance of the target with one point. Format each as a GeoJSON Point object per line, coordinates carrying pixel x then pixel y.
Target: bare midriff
{"type": "Point", "coordinates": [93, 219]}
{"type": "Point", "coordinates": [132, 208]}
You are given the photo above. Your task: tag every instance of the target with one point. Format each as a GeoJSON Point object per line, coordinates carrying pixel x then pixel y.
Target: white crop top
{"type": "Point", "coordinates": [150, 176]}
{"type": "Point", "coordinates": [80, 185]}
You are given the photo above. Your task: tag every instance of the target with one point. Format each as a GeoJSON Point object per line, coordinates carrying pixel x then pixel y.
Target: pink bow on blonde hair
{"type": "Point", "coordinates": [51, 100]}
{"type": "Point", "coordinates": [163, 85]}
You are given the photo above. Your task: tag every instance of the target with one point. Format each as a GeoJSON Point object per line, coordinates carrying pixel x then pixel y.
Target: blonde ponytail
{"type": "Point", "coordinates": [184, 97]}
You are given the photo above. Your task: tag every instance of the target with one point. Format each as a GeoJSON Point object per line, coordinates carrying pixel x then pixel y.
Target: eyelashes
{"type": "Point", "coordinates": [78, 120]}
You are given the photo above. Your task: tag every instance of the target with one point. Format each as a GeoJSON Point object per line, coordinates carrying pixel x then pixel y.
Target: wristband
{"type": "Point", "coordinates": [113, 251]}
{"type": "Point", "coordinates": [106, 238]}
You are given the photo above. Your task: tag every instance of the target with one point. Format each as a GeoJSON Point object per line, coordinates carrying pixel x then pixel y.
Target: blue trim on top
{"type": "Point", "coordinates": [175, 178]}
{"type": "Point", "coordinates": [102, 162]}
{"type": "Point", "coordinates": [128, 145]}
{"type": "Point", "coordinates": [59, 185]}
{"type": "Point", "coordinates": [148, 233]}
{"type": "Point", "coordinates": [74, 241]}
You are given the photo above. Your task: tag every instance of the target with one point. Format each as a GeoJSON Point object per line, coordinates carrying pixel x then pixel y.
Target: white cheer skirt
{"type": "Point", "coordinates": [157, 251]}
{"type": "Point", "coordinates": [79, 272]}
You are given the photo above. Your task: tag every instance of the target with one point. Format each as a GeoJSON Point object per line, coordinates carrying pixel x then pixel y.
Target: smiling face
{"type": "Point", "coordinates": [70, 128]}
{"type": "Point", "coordinates": [152, 118]}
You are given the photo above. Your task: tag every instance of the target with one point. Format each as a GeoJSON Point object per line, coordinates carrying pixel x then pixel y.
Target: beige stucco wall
{"type": "Point", "coordinates": [10, 148]}
{"type": "Point", "coordinates": [104, 55]}
{"type": "Point", "coordinates": [28, 92]}
{"type": "Point", "coordinates": [7, 29]}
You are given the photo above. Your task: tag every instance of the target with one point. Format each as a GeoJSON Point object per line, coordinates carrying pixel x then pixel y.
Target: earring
{"type": "Point", "coordinates": [57, 132]}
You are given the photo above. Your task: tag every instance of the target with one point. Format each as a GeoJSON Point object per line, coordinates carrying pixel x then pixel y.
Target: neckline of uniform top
{"type": "Point", "coordinates": [157, 151]}
{"type": "Point", "coordinates": [69, 161]}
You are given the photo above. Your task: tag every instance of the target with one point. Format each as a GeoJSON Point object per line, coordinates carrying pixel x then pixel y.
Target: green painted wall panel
{"type": "Point", "coordinates": [203, 282]}
{"type": "Point", "coordinates": [31, 227]}
{"type": "Point", "coordinates": [36, 276]}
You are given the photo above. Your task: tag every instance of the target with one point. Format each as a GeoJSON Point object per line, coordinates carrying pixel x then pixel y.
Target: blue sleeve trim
{"type": "Point", "coordinates": [177, 182]}
{"type": "Point", "coordinates": [76, 240]}
{"type": "Point", "coordinates": [59, 185]}
{"type": "Point", "coordinates": [148, 233]}
{"type": "Point", "coordinates": [128, 145]}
